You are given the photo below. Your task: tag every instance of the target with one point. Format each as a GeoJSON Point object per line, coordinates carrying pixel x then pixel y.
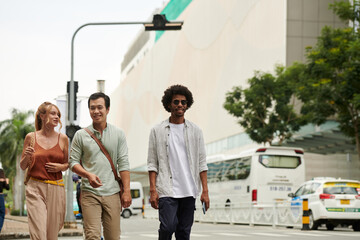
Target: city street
{"type": "Point", "coordinates": [140, 229]}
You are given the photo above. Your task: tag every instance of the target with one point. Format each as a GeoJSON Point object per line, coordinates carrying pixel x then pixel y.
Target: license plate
{"type": "Point", "coordinates": [344, 201]}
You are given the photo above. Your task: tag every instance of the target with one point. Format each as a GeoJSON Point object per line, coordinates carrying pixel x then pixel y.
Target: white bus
{"type": "Point", "coordinates": [262, 175]}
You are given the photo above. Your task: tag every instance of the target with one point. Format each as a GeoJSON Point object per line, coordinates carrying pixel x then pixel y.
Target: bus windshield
{"type": "Point", "coordinates": [279, 161]}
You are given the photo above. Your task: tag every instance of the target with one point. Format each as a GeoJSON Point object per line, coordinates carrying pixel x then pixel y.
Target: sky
{"type": "Point", "coordinates": [35, 47]}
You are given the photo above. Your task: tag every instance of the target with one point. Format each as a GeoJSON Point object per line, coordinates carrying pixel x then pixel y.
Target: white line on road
{"type": "Point", "coordinates": [149, 235]}
{"type": "Point", "coordinates": [199, 235]}
{"type": "Point", "coordinates": [270, 234]}
{"type": "Point", "coordinates": [347, 234]}
{"type": "Point", "coordinates": [308, 234]}
{"type": "Point", "coordinates": [231, 234]}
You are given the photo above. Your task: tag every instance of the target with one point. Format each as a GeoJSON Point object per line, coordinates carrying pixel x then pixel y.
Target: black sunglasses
{"type": "Point", "coordinates": [183, 102]}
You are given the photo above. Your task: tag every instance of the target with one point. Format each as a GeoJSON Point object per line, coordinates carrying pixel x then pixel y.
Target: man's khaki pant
{"type": "Point", "coordinates": [101, 209]}
{"type": "Point", "coordinates": [46, 209]}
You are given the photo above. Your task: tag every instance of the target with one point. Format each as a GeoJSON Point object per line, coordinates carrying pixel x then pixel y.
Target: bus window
{"type": "Point", "coordinates": [229, 170]}
{"type": "Point", "coordinates": [278, 161]}
{"type": "Point", "coordinates": [243, 168]}
{"type": "Point", "coordinates": [214, 172]}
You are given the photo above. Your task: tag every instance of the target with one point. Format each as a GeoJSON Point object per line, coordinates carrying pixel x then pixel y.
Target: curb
{"type": "Point", "coordinates": [64, 232]}
{"type": "Point", "coordinates": [14, 235]}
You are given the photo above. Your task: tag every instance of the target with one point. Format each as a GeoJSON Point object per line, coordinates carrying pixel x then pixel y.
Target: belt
{"type": "Point", "coordinates": [53, 182]}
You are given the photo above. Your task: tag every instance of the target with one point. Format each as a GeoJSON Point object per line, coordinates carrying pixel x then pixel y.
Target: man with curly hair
{"type": "Point", "coordinates": [177, 166]}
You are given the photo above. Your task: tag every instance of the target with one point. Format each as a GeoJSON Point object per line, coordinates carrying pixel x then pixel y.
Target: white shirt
{"type": "Point", "coordinates": [183, 182]}
{"type": "Point", "coordinates": [158, 155]}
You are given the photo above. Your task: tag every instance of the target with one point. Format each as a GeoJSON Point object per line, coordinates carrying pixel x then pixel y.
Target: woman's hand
{"type": "Point", "coordinates": [28, 156]}
{"type": "Point", "coordinates": [28, 152]}
{"type": "Point", "coordinates": [54, 167]}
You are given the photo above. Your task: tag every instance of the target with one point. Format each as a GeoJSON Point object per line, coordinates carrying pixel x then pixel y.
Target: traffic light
{"type": "Point", "coordinates": [161, 23]}
{"type": "Point", "coordinates": [71, 130]}
{"type": "Point", "coordinates": [76, 87]}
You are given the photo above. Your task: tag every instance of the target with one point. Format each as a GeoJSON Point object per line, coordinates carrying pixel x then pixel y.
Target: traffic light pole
{"type": "Point", "coordinates": [159, 23]}
{"type": "Point", "coordinates": [71, 114]}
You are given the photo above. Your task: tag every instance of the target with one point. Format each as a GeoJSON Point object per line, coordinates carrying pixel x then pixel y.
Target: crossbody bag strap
{"type": "Point", "coordinates": [106, 153]}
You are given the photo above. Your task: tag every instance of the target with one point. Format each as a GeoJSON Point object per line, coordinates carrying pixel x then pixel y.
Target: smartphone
{"type": "Point", "coordinates": [203, 207]}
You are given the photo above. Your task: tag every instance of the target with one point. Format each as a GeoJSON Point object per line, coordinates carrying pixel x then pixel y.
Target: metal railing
{"type": "Point", "coordinates": [288, 214]}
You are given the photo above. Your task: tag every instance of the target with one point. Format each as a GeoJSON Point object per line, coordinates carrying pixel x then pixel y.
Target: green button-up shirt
{"type": "Point", "coordinates": [85, 151]}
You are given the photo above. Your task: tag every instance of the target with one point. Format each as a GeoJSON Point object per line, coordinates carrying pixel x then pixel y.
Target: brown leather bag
{"type": "Point", "coordinates": [27, 170]}
{"type": "Point", "coordinates": [106, 153]}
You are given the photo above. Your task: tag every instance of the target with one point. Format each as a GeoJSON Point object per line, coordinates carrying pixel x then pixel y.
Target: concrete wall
{"type": "Point", "coordinates": [305, 19]}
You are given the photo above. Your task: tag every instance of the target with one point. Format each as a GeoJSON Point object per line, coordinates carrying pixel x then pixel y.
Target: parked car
{"type": "Point", "coordinates": [331, 202]}
{"type": "Point", "coordinates": [137, 205]}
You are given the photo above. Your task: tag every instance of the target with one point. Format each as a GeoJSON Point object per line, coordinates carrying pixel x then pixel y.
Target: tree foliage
{"type": "Point", "coordinates": [266, 108]}
{"type": "Point", "coordinates": [330, 86]}
{"type": "Point", "coordinates": [12, 134]}
{"type": "Point", "coordinates": [347, 10]}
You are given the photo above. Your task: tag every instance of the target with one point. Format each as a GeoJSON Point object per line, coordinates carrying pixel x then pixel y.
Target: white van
{"type": "Point", "coordinates": [137, 196]}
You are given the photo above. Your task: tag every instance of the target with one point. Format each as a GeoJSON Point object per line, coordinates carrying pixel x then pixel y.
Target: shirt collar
{"type": "Point", "coordinates": [91, 127]}
{"type": "Point", "coordinates": [167, 122]}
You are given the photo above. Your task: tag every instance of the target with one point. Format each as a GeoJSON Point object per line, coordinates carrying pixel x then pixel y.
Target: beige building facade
{"type": "Point", "coordinates": [221, 44]}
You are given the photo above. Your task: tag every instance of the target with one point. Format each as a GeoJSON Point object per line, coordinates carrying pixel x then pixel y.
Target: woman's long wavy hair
{"type": "Point", "coordinates": [44, 109]}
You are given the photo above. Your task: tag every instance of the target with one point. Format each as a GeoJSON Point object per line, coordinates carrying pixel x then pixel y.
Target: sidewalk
{"type": "Point", "coordinates": [16, 227]}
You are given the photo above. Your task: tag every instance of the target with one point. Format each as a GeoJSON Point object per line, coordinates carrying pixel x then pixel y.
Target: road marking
{"type": "Point", "coordinates": [231, 234]}
{"type": "Point", "coordinates": [347, 234]}
{"type": "Point", "coordinates": [149, 235]}
{"type": "Point", "coordinates": [308, 234]}
{"type": "Point", "coordinates": [198, 235]}
{"type": "Point", "coordinates": [270, 234]}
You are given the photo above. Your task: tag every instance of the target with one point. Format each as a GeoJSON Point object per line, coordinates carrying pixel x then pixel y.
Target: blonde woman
{"type": "Point", "coordinates": [45, 153]}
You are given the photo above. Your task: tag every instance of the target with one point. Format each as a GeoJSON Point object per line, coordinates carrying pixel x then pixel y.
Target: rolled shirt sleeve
{"type": "Point", "coordinates": [152, 160]}
{"type": "Point", "coordinates": [202, 153]}
{"type": "Point", "coordinates": [76, 150]}
{"type": "Point", "coordinates": [123, 157]}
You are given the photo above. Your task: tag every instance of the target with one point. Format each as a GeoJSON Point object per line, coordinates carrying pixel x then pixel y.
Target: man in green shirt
{"type": "Point", "coordinates": [100, 200]}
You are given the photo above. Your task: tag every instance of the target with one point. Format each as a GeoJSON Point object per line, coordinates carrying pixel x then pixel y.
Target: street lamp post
{"type": "Point", "coordinates": [159, 23]}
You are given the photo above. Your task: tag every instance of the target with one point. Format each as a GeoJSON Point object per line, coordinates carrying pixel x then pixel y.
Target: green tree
{"type": "Point", "coordinates": [330, 86]}
{"type": "Point", "coordinates": [12, 135]}
{"type": "Point", "coordinates": [266, 109]}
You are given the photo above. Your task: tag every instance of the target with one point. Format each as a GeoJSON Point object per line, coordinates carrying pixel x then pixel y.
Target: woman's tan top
{"type": "Point", "coordinates": [43, 156]}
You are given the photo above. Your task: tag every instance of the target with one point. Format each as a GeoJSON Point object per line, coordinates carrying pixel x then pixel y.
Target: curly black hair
{"type": "Point", "coordinates": [176, 90]}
